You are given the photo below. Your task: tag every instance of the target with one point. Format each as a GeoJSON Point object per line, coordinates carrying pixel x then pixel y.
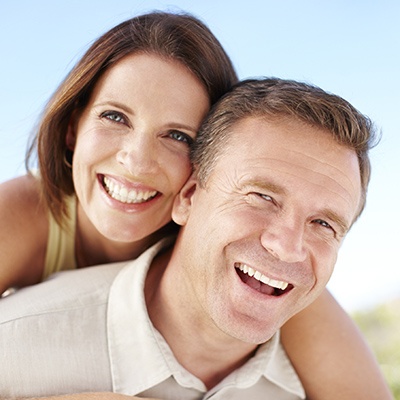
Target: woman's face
{"type": "Point", "coordinates": [131, 145]}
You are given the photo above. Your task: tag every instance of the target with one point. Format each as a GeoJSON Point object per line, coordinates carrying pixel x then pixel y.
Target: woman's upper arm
{"type": "Point", "coordinates": [87, 396]}
{"type": "Point", "coordinates": [23, 232]}
{"type": "Point", "coordinates": [330, 354]}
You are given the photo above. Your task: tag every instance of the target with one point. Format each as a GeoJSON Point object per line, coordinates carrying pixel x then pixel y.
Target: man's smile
{"type": "Point", "coordinates": [260, 282]}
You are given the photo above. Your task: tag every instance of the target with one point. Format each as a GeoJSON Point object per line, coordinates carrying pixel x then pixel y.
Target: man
{"type": "Point", "coordinates": [280, 174]}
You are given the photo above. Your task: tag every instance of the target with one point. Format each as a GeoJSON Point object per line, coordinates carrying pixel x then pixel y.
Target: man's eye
{"type": "Point", "coordinates": [181, 137]}
{"type": "Point", "coordinates": [114, 116]}
{"type": "Point", "coordinates": [265, 197]}
{"type": "Point", "coordinates": [323, 224]}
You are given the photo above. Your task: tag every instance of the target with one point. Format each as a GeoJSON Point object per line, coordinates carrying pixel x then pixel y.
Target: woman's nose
{"type": "Point", "coordinates": [138, 154]}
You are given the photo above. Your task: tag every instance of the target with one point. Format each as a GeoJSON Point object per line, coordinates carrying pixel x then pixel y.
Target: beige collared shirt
{"type": "Point", "coordinates": [88, 330]}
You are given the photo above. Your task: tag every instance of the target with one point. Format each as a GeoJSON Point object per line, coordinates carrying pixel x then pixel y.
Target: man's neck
{"type": "Point", "coordinates": [197, 344]}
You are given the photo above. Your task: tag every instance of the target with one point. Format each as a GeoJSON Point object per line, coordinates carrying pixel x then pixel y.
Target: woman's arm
{"type": "Point", "coordinates": [23, 232]}
{"type": "Point", "coordinates": [330, 355]}
{"type": "Point", "coordinates": [86, 396]}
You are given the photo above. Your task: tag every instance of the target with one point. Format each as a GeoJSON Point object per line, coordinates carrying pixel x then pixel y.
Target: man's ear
{"type": "Point", "coordinates": [70, 138]}
{"type": "Point", "coordinates": [183, 201]}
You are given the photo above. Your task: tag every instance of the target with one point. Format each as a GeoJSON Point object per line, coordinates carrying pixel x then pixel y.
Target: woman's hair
{"type": "Point", "coordinates": [274, 99]}
{"type": "Point", "coordinates": [179, 37]}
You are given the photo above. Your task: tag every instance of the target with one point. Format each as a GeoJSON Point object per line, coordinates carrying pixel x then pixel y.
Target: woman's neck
{"type": "Point", "coordinates": [92, 248]}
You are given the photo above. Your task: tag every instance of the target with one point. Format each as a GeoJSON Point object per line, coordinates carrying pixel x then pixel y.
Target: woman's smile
{"type": "Point", "coordinates": [131, 144]}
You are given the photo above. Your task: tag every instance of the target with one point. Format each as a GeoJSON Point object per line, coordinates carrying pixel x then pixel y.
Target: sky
{"type": "Point", "coordinates": [350, 48]}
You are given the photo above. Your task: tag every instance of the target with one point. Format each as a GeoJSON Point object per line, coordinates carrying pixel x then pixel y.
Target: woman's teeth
{"type": "Point", "coordinates": [124, 195]}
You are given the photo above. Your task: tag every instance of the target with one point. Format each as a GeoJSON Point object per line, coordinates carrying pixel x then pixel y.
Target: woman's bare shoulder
{"type": "Point", "coordinates": [24, 230]}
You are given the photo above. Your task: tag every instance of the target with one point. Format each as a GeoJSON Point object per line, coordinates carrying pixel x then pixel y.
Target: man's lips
{"type": "Point", "coordinates": [260, 282]}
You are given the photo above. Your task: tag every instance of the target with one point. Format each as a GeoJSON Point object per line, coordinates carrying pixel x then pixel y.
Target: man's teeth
{"type": "Point", "coordinates": [262, 278]}
{"type": "Point", "coordinates": [122, 194]}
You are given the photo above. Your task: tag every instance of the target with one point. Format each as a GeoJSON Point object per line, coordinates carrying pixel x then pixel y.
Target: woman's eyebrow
{"type": "Point", "coordinates": [174, 125]}
{"type": "Point", "coordinates": [177, 125]}
{"type": "Point", "coordinates": [116, 104]}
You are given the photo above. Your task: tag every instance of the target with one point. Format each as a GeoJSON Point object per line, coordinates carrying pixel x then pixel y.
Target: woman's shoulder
{"type": "Point", "coordinates": [23, 236]}
{"type": "Point", "coordinates": [23, 194]}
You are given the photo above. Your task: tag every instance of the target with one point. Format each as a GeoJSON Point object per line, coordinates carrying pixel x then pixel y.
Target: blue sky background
{"type": "Point", "coordinates": [351, 48]}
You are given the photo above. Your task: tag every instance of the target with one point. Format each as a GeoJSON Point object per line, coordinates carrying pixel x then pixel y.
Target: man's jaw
{"type": "Point", "coordinates": [257, 281]}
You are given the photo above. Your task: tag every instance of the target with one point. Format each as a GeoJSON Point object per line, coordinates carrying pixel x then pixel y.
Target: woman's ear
{"type": "Point", "coordinates": [70, 138]}
{"type": "Point", "coordinates": [183, 201]}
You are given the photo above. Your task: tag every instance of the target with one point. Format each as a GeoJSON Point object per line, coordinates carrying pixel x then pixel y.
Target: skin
{"type": "Point", "coordinates": [341, 343]}
{"type": "Point", "coordinates": [280, 201]}
{"type": "Point", "coordinates": [157, 113]}
{"type": "Point", "coordinates": [134, 134]}
{"type": "Point", "coordinates": [135, 131]}
{"type": "Point", "coordinates": [90, 396]}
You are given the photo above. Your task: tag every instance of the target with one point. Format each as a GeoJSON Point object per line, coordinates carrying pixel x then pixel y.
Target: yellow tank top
{"type": "Point", "coordinates": [60, 254]}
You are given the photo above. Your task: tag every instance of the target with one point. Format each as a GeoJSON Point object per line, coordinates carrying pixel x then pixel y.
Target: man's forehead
{"type": "Point", "coordinates": [293, 151]}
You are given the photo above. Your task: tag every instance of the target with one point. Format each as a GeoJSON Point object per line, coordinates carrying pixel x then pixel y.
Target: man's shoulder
{"type": "Point", "coordinates": [53, 336]}
{"type": "Point", "coordinates": [63, 291]}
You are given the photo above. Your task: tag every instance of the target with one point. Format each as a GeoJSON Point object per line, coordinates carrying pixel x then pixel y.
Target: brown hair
{"type": "Point", "coordinates": [180, 37]}
{"type": "Point", "coordinates": [273, 98]}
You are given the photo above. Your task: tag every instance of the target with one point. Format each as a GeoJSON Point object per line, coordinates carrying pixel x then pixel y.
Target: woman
{"type": "Point", "coordinates": [113, 149]}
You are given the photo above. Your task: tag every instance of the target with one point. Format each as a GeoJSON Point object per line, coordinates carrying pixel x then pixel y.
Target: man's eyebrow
{"type": "Point", "coordinates": [337, 219]}
{"type": "Point", "coordinates": [265, 185]}
{"type": "Point", "coordinates": [278, 189]}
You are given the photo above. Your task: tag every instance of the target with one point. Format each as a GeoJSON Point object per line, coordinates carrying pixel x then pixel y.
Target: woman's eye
{"type": "Point", "coordinates": [114, 116]}
{"type": "Point", "coordinates": [181, 137]}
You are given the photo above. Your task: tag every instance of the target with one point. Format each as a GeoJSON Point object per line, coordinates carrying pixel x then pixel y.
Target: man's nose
{"type": "Point", "coordinates": [284, 239]}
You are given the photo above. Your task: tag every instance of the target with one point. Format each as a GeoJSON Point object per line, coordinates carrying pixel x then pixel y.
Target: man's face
{"type": "Point", "coordinates": [260, 241]}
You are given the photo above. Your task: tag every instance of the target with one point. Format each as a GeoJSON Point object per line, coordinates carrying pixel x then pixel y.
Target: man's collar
{"type": "Point", "coordinates": [136, 361]}
{"type": "Point", "coordinates": [141, 359]}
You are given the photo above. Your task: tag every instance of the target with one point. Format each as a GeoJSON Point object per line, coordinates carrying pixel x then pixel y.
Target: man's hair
{"type": "Point", "coordinates": [273, 99]}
